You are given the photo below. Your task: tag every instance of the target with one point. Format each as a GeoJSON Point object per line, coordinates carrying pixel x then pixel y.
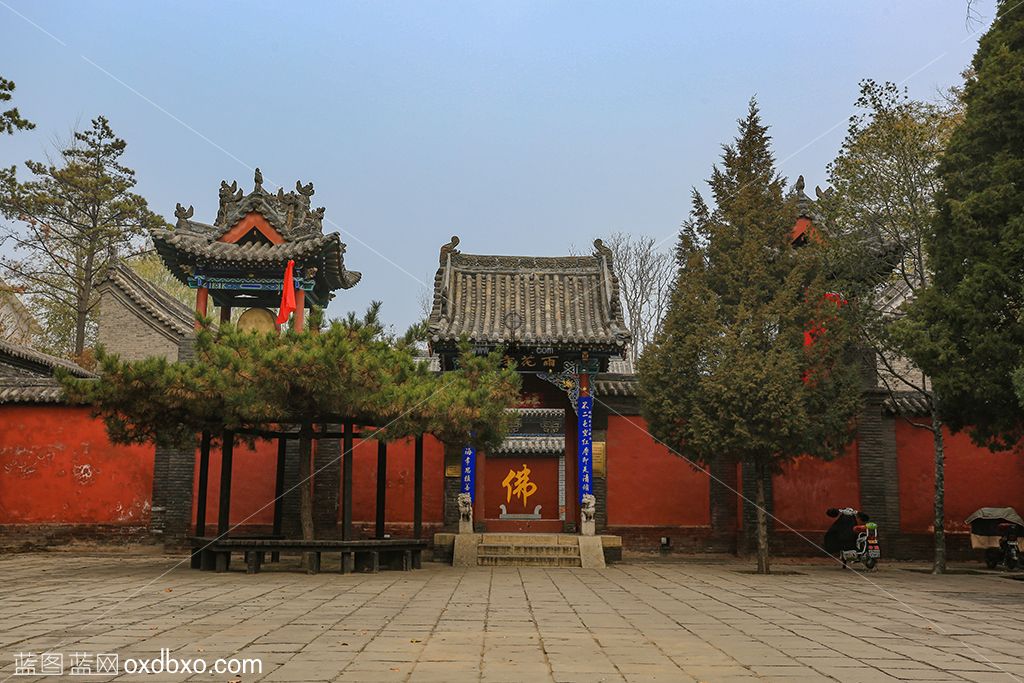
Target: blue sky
{"type": "Point", "coordinates": [523, 127]}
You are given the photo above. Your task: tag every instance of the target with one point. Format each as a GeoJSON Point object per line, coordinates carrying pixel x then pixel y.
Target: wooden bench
{"type": "Point", "coordinates": [211, 553]}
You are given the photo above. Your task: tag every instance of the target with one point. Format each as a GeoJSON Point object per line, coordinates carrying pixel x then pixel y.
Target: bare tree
{"type": "Point", "coordinates": [884, 182]}
{"type": "Point", "coordinates": [645, 281]}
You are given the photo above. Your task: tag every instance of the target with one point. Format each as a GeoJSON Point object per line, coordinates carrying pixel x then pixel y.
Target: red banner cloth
{"type": "Point", "coordinates": [287, 295]}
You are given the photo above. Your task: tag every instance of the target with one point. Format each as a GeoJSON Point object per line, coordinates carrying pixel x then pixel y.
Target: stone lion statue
{"type": "Point", "coordinates": [465, 507]}
{"type": "Point", "coordinates": [588, 507]}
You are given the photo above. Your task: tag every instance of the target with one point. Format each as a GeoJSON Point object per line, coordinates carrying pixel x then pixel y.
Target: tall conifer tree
{"type": "Point", "coordinates": [966, 331]}
{"type": "Point", "coordinates": [730, 377]}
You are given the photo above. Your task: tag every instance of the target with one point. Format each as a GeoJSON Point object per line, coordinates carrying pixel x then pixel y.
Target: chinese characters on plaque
{"type": "Point", "coordinates": [468, 477]}
{"type": "Point", "coordinates": [517, 484]}
{"type": "Point", "coordinates": [586, 446]}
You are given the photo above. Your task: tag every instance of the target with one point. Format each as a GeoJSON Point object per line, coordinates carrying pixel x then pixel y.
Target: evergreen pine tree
{"type": "Point", "coordinates": [966, 331]}
{"type": "Point", "coordinates": [729, 378]}
{"type": "Point", "coordinates": [351, 370]}
{"type": "Point", "coordinates": [72, 218]}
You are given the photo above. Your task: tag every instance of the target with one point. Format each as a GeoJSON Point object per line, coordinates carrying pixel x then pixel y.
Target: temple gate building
{"type": "Point", "coordinates": [559, 322]}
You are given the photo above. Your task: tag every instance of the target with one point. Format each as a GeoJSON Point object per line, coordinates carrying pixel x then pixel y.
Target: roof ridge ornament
{"type": "Point", "coordinates": [449, 248]}
{"type": "Point", "coordinates": [257, 179]}
{"type": "Point", "coordinates": [601, 249]}
{"type": "Point", "coordinates": [183, 214]}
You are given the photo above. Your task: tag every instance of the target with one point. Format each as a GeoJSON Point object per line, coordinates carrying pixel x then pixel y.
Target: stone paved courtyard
{"type": "Point", "coordinates": [639, 621]}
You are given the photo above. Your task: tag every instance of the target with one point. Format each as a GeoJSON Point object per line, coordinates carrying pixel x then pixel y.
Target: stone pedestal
{"type": "Point", "coordinates": [464, 554]}
{"type": "Point", "coordinates": [588, 515]}
{"type": "Point", "coordinates": [591, 552]}
{"type": "Point", "coordinates": [465, 513]}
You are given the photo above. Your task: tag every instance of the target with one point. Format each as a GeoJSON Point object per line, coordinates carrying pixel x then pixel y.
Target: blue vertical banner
{"type": "Point", "coordinates": [585, 450]}
{"type": "Point", "coordinates": [469, 471]}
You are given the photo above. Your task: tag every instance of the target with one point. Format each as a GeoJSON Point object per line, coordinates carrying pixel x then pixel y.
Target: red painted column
{"type": "Point", "coordinates": [300, 309]}
{"type": "Point", "coordinates": [202, 297]}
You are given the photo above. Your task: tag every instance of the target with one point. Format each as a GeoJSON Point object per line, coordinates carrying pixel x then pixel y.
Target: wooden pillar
{"type": "Point", "coordinates": [204, 479]}
{"type": "Point", "coordinates": [346, 475]}
{"type": "Point", "coordinates": [224, 506]}
{"type": "Point", "coordinates": [300, 309]}
{"type": "Point", "coordinates": [202, 297]}
{"type": "Point", "coordinates": [225, 314]}
{"type": "Point", "coordinates": [282, 446]}
{"type": "Point", "coordinates": [382, 484]}
{"type": "Point", "coordinates": [417, 488]}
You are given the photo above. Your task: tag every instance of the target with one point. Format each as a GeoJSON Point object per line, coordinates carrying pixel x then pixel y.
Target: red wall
{"type": "Point", "coordinates": [255, 472]}
{"type": "Point", "coordinates": [975, 477]}
{"type": "Point", "coordinates": [809, 486]}
{"type": "Point", "coordinates": [57, 466]}
{"type": "Point", "coordinates": [399, 497]}
{"type": "Point", "coordinates": [253, 476]}
{"type": "Point", "coordinates": [647, 484]}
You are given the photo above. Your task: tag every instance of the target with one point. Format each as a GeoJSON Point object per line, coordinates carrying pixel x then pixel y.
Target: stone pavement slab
{"type": "Point", "coordinates": [641, 621]}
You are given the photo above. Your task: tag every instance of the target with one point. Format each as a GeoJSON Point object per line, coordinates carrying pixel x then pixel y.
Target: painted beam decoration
{"type": "Point", "coordinates": [586, 446]}
{"type": "Point", "coordinates": [469, 471]}
{"type": "Point", "coordinates": [254, 284]}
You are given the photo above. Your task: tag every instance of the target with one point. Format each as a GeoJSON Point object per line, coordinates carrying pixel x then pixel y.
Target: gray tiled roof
{"type": "Point", "coordinates": [157, 303]}
{"type": "Point", "coordinates": [907, 403]}
{"type": "Point", "coordinates": [26, 375]}
{"type": "Point", "coordinates": [41, 391]}
{"type": "Point", "coordinates": [288, 213]}
{"type": "Point", "coordinates": [180, 247]}
{"type": "Point", "coordinates": [556, 301]}
{"type": "Point", "coordinates": [37, 360]}
{"type": "Point", "coordinates": [611, 384]}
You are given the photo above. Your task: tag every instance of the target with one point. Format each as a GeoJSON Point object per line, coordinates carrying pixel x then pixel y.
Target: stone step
{"type": "Point", "coordinates": [529, 539]}
{"type": "Point", "coordinates": [536, 550]}
{"type": "Point", "coordinates": [527, 561]}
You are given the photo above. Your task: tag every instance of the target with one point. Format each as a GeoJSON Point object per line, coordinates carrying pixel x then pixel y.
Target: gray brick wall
{"type": "Point", "coordinates": [327, 486]}
{"type": "Point", "coordinates": [723, 501]}
{"type": "Point", "coordinates": [173, 483]}
{"type": "Point", "coordinates": [131, 334]}
{"type": "Point", "coordinates": [452, 486]}
{"type": "Point", "coordinates": [879, 478]}
{"type": "Point", "coordinates": [291, 524]}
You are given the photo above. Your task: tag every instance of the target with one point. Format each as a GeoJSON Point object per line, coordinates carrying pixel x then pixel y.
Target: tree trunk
{"type": "Point", "coordinates": [760, 472]}
{"type": "Point", "coordinates": [84, 295]}
{"type": "Point", "coordinates": [939, 564]}
{"type": "Point", "coordinates": [305, 488]}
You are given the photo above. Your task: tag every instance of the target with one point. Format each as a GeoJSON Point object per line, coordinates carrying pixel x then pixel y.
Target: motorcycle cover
{"type": "Point", "coordinates": [841, 536]}
{"type": "Point", "coordinates": [985, 522]}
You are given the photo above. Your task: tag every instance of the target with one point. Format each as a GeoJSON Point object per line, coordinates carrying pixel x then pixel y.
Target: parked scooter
{"type": "Point", "coordinates": [996, 531]}
{"type": "Point", "coordinates": [850, 541]}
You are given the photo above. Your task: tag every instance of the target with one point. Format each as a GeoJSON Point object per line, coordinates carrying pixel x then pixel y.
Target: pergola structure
{"type": "Point", "coordinates": [213, 552]}
{"type": "Point", "coordinates": [238, 261]}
